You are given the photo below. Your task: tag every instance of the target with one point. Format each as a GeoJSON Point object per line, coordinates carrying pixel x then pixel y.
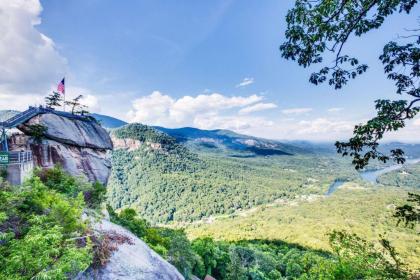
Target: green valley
{"type": "Point", "coordinates": [208, 192]}
{"type": "Point", "coordinates": [359, 209]}
{"type": "Point", "coordinates": [173, 183]}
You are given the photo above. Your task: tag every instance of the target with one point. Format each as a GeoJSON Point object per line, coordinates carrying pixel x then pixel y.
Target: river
{"type": "Point", "coordinates": [371, 175]}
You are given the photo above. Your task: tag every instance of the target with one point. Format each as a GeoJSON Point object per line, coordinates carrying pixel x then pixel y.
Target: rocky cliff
{"type": "Point", "coordinates": [79, 146]}
{"type": "Point", "coordinates": [133, 260]}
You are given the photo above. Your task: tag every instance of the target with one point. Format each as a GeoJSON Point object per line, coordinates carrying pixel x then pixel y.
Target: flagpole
{"type": "Point", "coordinates": [64, 93]}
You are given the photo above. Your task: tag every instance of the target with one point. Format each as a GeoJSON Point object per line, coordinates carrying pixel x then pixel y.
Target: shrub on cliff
{"type": "Point", "coordinates": [42, 235]}
{"type": "Point", "coordinates": [57, 179]}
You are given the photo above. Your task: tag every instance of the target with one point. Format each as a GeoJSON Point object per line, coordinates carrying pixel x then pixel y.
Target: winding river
{"type": "Point", "coordinates": [371, 175]}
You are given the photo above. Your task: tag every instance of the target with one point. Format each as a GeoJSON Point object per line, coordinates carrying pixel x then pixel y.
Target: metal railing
{"type": "Point", "coordinates": [33, 111]}
{"type": "Point", "coordinates": [20, 157]}
{"type": "Point", "coordinates": [22, 117]}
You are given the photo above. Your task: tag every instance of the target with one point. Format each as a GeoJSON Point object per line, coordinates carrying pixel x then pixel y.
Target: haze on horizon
{"type": "Point", "coordinates": [213, 65]}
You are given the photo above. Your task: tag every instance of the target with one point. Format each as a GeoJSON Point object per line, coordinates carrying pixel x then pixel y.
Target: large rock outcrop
{"type": "Point", "coordinates": [79, 146]}
{"type": "Point", "coordinates": [75, 132]}
{"type": "Point", "coordinates": [132, 260]}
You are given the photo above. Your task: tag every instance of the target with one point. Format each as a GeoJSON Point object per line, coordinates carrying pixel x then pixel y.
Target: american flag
{"type": "Point", "coordinates": [61, 87]}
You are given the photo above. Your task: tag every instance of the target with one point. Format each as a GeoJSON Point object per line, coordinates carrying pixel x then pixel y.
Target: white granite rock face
{"type": "Point", "coordinates": [80, 147]}
{"type": "Point", "coordinates": [126, 144]}
{"type": "Point", "coordinates": [135, 261]}
{"type": "Point", "coordinates": [72, 131]}
{"type": "Point", "coordinates": [93, 164]}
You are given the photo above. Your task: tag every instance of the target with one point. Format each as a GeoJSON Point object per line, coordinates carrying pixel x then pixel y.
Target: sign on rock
{"type": "Point", "coordinates": [4, 158]}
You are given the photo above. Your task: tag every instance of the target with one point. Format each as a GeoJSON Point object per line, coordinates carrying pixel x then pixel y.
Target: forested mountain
{"type": "Point", "coordinates": [174, 183]}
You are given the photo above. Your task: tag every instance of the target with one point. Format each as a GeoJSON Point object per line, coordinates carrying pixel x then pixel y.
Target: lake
{"type": "Point", "coordinates": [371, 175]}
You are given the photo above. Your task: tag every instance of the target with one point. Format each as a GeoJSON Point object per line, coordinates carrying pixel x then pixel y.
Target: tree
{"type": "Point", "coordinates": [37, 131]}
{"type": "Point", "coordinates": [409, 213]}
{"type": "Point", "coordinates": [53, 100]}
{"type": "Point", "coordinates": [209, 252]}
{"type": "Point", "coordinates": [316, 28]}
{"type": "Point", "coordinates": [360, 259]}
{"type": "Point", "coordinates": [77, 108]}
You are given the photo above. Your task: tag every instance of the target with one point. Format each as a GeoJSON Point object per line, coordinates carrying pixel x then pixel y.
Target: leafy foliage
{"type": "Point", "coordinates": [391, 116]}
{"type": "Point", "coordinates": [315, 28]}
{"type": "Point", "coordinates": [57, 179]}
{"type": "Point", "coordinates": [409, 213]}
{"type": "Point", "coordinates": [39, 229]}
{"type": "Point", "coordinates": [37, 131]}
{"type": "Point", "coordinates": [359, 259]}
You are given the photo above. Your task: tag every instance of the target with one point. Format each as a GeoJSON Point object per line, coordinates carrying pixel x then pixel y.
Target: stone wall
{"type": "Point", "coordinates": [18, 172]}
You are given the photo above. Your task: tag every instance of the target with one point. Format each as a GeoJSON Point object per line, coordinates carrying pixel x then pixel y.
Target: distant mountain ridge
{"type": "Point", "coordinates": [218, 140]}
{"type": "Point", "coordinates": [235, 144]}
{"type": "Point", "coordinates": [7, 114]}
{"type": "Point", "coordinates": [240, 145]}
{"type": "Point", "coordinates": [108, 122]}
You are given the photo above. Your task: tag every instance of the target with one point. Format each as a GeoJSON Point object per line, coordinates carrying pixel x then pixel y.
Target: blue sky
{"type": "Point", "coordinates": [208, 64]}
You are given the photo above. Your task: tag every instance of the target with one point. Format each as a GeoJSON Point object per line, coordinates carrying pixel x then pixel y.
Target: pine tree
{"type": "Point", "coordinates": [76, 107]}
{"type": "Point", "coordinates": [53, 100]}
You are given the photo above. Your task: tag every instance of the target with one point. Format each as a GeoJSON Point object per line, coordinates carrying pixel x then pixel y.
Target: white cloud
{"type": "Point", "coordinates": [89, 98]}
{"type": "Point", "coordinates": [296, 111]}
{"type": "Point", "coordinates": [19, 101]}
{"type": "Point", "coordinates": [234, 122]}
{"type": "Point", "coordinates": [152, 109]}
{"type": "Point", "coordinates": [203, 111]}
{"type": "Point", "coordinates": [257, 107]}
{"type": "Point", "coordinates": [91, 101]}
{"type": "Point", "coordinates": [186, 106]}
{"type": "Point", "coordinates": [323, 125]}
{"type": "Point", "coordinates": [217, 111]}
{"type": "Point", "coordinates": [319, 129]}
{"type": "Point", "coordinates": [245, 82]}
{"type": "Point", "coordinates": [334, 110]}
{"type": "Point", "coordinates": [29, 59]}
{"type": "Point", "coordinates": [416, 122]}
